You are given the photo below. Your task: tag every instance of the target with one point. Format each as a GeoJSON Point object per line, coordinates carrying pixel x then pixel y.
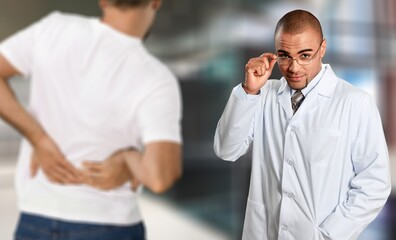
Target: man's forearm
{"type": "Point", "coordinates": [14, 114]}
{"type": "Point", "coordinates": [46, 154]}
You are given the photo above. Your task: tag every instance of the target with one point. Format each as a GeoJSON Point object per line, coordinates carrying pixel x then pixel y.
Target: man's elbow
{"type": "Point", "coordinates": [162, 183]}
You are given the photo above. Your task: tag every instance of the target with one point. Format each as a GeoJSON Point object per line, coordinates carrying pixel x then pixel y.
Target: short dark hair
{"type": "Point", "coordinates": [129, 3]}
{"type": "Point", "coordinates": [297, 21]}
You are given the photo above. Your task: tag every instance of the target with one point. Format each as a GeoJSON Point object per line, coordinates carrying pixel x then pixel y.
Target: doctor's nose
{"type": "Point", "coordinates": [294, 66]}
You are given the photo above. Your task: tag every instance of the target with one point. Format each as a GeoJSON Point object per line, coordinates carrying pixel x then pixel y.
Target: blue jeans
{"type": "Point", "coordinates": [32, 227]}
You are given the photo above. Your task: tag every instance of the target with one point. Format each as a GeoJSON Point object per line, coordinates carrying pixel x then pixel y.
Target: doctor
{"type": "Point", "coordinates": [320, 163]}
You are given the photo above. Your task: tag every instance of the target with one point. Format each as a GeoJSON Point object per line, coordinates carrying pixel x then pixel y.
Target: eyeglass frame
{"type": "Point", "coordinates": [296, 58]}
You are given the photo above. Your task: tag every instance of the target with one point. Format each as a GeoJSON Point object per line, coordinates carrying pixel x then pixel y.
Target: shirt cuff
{"type": "Point", "coordinates": [241, 94]}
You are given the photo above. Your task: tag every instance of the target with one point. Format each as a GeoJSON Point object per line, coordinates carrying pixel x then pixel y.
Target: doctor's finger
{"type": "Point", "coordinates": [270, 56]}
{"type": "Point", "coordinates": [272, 64]}
{"type": "Point", "coordinates": [257, 68]}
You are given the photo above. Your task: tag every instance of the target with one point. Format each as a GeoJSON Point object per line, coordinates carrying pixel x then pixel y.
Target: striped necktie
{"type": "Point", "coordinates": [296, 100]}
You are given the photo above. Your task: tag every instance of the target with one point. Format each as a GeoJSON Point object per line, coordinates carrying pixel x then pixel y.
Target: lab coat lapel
{"type": "Point", "coordinates": [310, 104]}
{"type": "Point", "coordinates": [328, 83]}
{"type": "Point", "coordinates": [319, 93]}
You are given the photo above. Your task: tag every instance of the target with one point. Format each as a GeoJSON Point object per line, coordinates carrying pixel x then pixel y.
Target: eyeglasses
{"type": "Point", "coordinates": [303, 60]}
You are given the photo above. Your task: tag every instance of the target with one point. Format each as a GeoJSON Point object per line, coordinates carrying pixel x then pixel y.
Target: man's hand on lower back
{"type": "Point", "coordinates": [109, 174]}
{"type": "Point", "coordinates": [48, 157]}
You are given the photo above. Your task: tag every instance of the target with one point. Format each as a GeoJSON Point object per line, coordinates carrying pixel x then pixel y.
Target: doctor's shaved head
{"type": "Point", "coordinates": [129, 3]}
{"type": "Point", "coordinates": [297, 21]}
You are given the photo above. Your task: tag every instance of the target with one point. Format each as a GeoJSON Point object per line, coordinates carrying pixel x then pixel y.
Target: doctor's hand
{"type": "Point", "coordinates": [109, 174]}
{"type": "Point", "coordinates": [257, 72]}
{"type": "Point", "coordinates": [47, 156]}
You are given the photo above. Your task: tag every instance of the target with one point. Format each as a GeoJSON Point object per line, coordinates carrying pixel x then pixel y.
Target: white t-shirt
{"type": "Point", "coordinates": [94, 90]}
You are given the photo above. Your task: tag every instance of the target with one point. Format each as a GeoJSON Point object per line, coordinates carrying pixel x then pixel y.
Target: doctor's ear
{"type": "Point", "coordinates": [156, 4]}
{"type": "Point", "coordinates": [102, 4]}
{"type": "Point", "coordinates": [323, 48]}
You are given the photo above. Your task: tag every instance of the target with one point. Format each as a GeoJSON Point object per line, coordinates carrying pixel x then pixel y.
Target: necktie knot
{"type": "Point", "coordinates": [296, 100]}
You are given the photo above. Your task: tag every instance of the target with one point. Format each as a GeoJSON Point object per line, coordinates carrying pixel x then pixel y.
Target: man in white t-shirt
{"type": "Point", "coordinates": [103, 117]}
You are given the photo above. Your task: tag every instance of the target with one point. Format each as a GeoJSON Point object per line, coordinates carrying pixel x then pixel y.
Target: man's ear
{"type": "Point", "coordinates": [323, 48]}
{"type": "Point", "coordinates": [156, 4]}
{"type": "Point", "coordinates": [102, 4]}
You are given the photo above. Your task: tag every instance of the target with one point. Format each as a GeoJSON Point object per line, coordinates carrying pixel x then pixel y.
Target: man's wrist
{"type": "Point", "coordinates": [39, 139]}
{"type": "Point", "coordinates": [130, 155]}
{"type": "Point", "coordinates": [247, 91]}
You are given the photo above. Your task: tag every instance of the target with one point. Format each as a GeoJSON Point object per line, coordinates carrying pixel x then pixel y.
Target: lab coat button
{"type": "Point", "coordinates": [290, 195]}
{"type": "Point", "coordinates": [284, 228]}
{"type": "Point", "coordinates": [290, 162]}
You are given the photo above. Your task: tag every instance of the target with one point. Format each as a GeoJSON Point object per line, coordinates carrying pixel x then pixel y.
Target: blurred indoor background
{"type": "Point", "coordinates": [206, 43]}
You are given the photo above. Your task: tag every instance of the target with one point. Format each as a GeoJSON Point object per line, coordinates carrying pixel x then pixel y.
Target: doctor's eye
{"type": "Point", "coordinates": [305, 56]}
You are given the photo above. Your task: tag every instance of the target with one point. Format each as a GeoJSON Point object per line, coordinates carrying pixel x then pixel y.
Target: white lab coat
{"type": "Point", "coordinates": [320, 174]}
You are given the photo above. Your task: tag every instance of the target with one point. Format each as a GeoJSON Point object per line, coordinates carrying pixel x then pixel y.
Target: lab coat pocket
{"type": "Point", "coordinates": [322, 146]}
{"type": "Point", "coordinates": [255, 226]}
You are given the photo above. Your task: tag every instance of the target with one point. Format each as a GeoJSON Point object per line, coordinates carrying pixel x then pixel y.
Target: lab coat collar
{"type": "Point", "coordinates": [324, 88]}
{"type": "Point", "coordinates": [328, 84]}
